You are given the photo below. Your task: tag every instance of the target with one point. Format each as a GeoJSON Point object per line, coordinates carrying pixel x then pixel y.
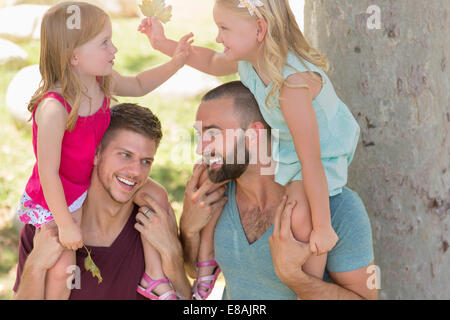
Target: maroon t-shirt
{"type": "Point", "coordinates": [121, 265]}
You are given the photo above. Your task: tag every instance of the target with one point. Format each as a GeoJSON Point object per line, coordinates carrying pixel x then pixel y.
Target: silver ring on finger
{"type": "Point", "coordinates": [148, 212]}
{"type": "Point", "coordinates": [144, 210]}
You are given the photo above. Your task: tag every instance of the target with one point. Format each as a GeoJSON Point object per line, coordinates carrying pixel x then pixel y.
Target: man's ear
{"type": "Point", "coordinates": [259, 130]}
{"type": "Point", "coordinates": [258, 126]}
{"type": "Point", "coordinates": [261, 29]}
{"type": "Point", "coordinates": [97, 153]}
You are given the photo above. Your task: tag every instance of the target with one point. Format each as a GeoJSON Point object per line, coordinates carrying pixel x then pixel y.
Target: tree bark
{"type": "Point", "coordinates": [395, 80]}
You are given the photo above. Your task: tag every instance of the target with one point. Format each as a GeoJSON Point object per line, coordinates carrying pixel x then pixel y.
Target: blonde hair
{"type": "Point", "coordinates": [58, 42]}
{"type": "Point", "coordinates": [283, 35]}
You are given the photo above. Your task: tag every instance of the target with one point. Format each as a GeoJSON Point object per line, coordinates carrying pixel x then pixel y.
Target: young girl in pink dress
{"type": "Point", "coordinates": [70, 113]}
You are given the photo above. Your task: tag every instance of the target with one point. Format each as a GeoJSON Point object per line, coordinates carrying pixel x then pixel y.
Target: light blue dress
{"type": "Point", "coordinates": [338, 129]}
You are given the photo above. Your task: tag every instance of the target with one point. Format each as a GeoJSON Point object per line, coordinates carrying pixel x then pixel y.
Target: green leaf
{"type": "Point", "coordinates": [156, 8]}
{"type": "Point", "coordinates": [89, 265]}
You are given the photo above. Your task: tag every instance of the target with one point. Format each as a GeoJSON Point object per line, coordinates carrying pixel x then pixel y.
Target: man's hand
{"type": "Point", "coordinates": [46, 248]}
{"type": "Point", "coordinates": [46, 251]}
{"type": "Point", "coordinates": [288, 254]}
{"type": "Point", "coordinates": [202, 200]}
{"type": "Point", "coordinates": [158, 227]}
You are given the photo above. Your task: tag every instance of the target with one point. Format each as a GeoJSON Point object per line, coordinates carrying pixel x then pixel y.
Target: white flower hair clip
{"type": "Point", "coordinates": [252, 6]}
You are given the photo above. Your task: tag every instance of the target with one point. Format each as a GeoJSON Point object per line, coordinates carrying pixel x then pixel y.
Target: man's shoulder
{"type": "Point", "coordinates": [156, 191]}
{"type": "Point", "coordinates": [350, 220]}
{"type": "Point", "coordinates": [347, 209]}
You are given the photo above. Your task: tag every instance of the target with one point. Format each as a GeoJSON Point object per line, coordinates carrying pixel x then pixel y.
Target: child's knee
{"type": "Point", "coordinates": [301, 216]}
{"type": "Point", "coordinates": [301, 222]}
{"type": "Point", "coordinates": [62, 269]}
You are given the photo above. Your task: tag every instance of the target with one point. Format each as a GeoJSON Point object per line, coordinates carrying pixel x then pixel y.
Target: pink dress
{"type": "Point", "coordinates": [77, 161]}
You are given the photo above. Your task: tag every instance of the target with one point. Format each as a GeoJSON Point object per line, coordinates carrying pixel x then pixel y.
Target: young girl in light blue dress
{"type": "Point", "coordinates": [317, 133]}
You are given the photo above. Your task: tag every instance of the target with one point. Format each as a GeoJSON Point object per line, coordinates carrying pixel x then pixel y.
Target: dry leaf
{"type": "Point", "coordinates": [89, 265]}
{"type": "Point", "coordinates": [156, 8]}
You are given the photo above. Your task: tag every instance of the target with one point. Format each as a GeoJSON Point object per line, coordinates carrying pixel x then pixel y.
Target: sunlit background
{"type": "Point", "coordinates": [175, 102]}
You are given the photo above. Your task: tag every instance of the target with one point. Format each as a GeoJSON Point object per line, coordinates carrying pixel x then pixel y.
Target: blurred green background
{"type": "Point", "coordinates": [135, 54]}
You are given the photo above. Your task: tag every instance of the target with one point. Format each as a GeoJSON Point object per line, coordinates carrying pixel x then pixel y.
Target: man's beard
{"type": "Point", "coordinates": [229, 171]}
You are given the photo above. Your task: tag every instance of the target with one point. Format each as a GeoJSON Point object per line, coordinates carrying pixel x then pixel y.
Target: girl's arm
{"type": "Point", "coordinates": [51, 119]}
{"type": "Point", "coordinates": [149, 80]}
{"type": "Point", "coordinates": [202, 59]}
{"type": "Point", "coordinates": [296, 106]}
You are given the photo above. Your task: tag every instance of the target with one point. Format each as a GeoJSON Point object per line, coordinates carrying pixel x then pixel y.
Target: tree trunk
{"type": "Point", "coordinates": [395, 80]}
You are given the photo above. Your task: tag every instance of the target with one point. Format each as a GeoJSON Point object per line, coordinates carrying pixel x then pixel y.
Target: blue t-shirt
{"type": "Point", "coordinates": [248, 268]}
{"type": "Point", "coordinates": [338, 129]}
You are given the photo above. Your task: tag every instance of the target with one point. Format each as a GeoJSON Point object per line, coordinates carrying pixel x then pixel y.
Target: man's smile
{"type": "Point", "coordinates": [126, 183]}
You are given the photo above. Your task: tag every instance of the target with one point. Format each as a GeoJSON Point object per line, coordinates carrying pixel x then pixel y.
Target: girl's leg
{"type": "Point", "coordinates": [302, 226]}
{"type": "Point", "coordinates": [206, 249]}
{"type": "Point", "coordinates": [207, 270]}
{"type": "Point", "coordinates": [207, 267]}
{"type": "Point", "coordinates": [153, 268]}
{"type": "Point", "coordinates": [59, 277]}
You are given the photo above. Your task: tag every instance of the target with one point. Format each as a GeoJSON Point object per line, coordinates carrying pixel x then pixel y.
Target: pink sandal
{"type": "Point", "coordinates": [152, 284]}
{"type": "Point", "coordinates": [205, 281]}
